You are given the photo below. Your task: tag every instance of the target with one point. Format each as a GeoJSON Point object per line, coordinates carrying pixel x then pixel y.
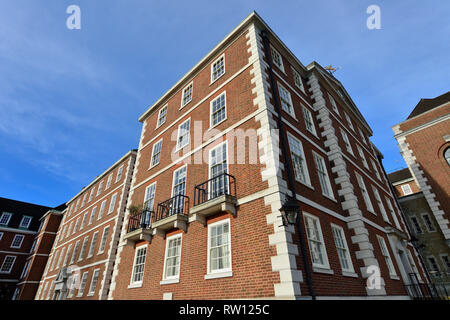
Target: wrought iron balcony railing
{"type": "Point", "coordinates": [140, 220]}
{"type": "Point", "coordinates": [223, 184]}
{"type": "Point", "coordinates": [428, 291]}
{"type": "Point", "coordinates": [178, 204]}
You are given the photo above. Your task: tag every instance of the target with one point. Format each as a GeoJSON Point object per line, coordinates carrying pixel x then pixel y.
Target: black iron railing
{"type": "Point", "coordinates": [427, 291]}
{"type": "Point", "coordinates": [223, 184]}
{"type": "Point", "coordinates": [178, 204]}
{"type": "Point", "coordinates": [140, 220]}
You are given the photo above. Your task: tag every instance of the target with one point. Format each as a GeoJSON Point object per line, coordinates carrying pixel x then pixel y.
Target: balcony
{"type": "Point", "coordinates": [428, 291]}
{"type": "Point", "coordinates": [214, 196]}
{"type": "Point", "coordinates": [170, 214]}
{"type": "Point", "coordinates": [139, 227]}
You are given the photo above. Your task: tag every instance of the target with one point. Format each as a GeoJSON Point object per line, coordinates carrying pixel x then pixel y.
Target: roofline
{"type": "Point", "coordinates": [134, 151]}
{"type": "Point", "coordinates": [398, 182]}
{"type": "Point", "coordinates": [253, 16]}
{"type": "Point", "coordinates": [419, 115]}
{"type": "Point", "coordinates": [52, 211]}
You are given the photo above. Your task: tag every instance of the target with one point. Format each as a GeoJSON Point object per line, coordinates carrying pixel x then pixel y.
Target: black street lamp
{"type": "Point", "coordinates": [289, 212]}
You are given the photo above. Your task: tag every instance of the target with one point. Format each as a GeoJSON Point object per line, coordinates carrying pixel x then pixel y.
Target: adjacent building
{"type": "Point", "coordinates": [83, 255]}
{"type": "Point", "coordinates": [250, 130]}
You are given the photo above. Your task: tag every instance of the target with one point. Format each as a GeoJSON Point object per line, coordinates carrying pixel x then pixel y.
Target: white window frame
{"type": "Point", "coordinates": [413, 264]}
{"type": "Point", "coordinates": [83, 222]}
{"type": "Point", "coordinates": [347, 143]}
{"type": "Point", "coordinates": [416, 225]}
{"type": "Point", "coordinates": [275, 52]}
{"type": "Point", "coordinates": [148, 197]}
{"type": "Point", "coordinates": [363, 157]}
{"type": "Point", "coordinates": [93, 244]}
{"type": "Point", "coordinates": [345, 247]}
{"type": "Point", "coordinates": [307, 115]}
{"type": "Point", "coordinates": [91, 194]}
{"type": "Point", "coordinates": [374, 165]}
{"type": "Point", "coordinates": [28, 224]}
{"type": "Point", "coordinates": [188, 134]}
{"type": "Point", "coordinates": [325, 174]}
{"type": "Point", "coordinates": [222, 56]}
{"type": "Point", "coordinates": [5, 214]}
{"type": "Point", "coordinates": [77, 223]}
{"type": "Point", "coordinates": [224, 270]}
{"type": "Point", "coordinates": [387, 256]}
{"type": "Point", "coordinates": [84, 200]}
{"type": "Point", "coordinates": [109, 181]}
{"type": "Point", "coordinates": [83, 283]}
{"type": "Point", "coordinates": [406, 189]}
{"type": "Point", "coordinates": [168, 239]}
{"type": "Point", "coordinates": [431, 264]}
{"type": "Point", "coordinates": [92, 215]}
{"type": "Point", "coordinates": [445, 261]}
{"type": "Point", "coordinates": [10, 267]}
{"type": "Point", "coordinates": [25, 269]}
{"type": "Point", "coordinates": [103, 240]}
{"type": "Point", "coordinates": [380, 204]}
{"type": "Point", "coordinates": [349, 121]}
{"type": "Point", "coordinates": [291, 141]}
{"type": "Point", "coordinates": [16, 293]}
{"type": "Point", "coordinates": [362, 135]}
{"type": "Point", "coordinates": [219, 146]}
{"type": "Point", "coordinates": [394, 216]}
{"type": "Point", "coordinates": [112, 203]}
{"type": "Point", "coordinates": [102, 210]}
{"type": "Point", "coordinates": [100, 187]}
{"type": "Point", "coordinates": [83, 248]}
{"type": "Point", "coordinates": [119, 173]}
{"type": "Point", "coordinates": [183, 103]}
{"type": "Point", "coordinates": [326, 263]}
{"type": "Point", "coordinates": [160, 122]}
{"type": "Point", "coordinates": [283, 101]}
{"type": "Point", "coordinates": [298, 80]}
{"type": "Point", "coordinates": [66, 258]}
{"type": "Point", "coordinates": [428, 222]}
{"type": "Point", "coordinates": [94, 282]}
{"type": "Point", "coordinates": [133, 270]}
{"type": "Point", "coordinates": [75, 252]}
{"type": "Point", "coordinates": [17, 236]}
{"type": "Point", "coordinates": [333, 104]}
{"type": "Point", "coordinates": [152, 164]}
{"type": "Point", "coordinates": [365, 193]}
{"type": "Point", "coordinates": [55, 258]}
{"type": "Point", "coordinates": [211, 122]}
{"type": "Point", "coordinates": [1, 235]}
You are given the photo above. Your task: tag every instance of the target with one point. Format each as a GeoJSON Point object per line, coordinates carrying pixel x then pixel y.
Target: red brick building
{"type": "Point", "coordinates": [82, 257]}
{"type": "Point", "coordinates": [20, 223]}
{"type": "Point", "coordinates": [245, 130]}
{"type": "Point", "coordinates": [424, 142]}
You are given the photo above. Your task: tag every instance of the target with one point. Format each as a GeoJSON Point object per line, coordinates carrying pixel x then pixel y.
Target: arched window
{"type": "Point", "coordinates": [447, 155]}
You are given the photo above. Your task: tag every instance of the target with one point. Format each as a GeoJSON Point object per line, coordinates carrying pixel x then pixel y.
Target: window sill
{"type": "Point", "coordinates": [185, 105]}
{"type": "Point", "coordinates": [330, 198]}
{"type": "Point", "coordinates": [225, 274]}
{"type": "Point", "coordinates": [394, 277]}
{"type": "Point", "coordinates": [212, 127]}
{"type": "Point", "coordinates": [135, 285]}
{"type": "Point", "coordinates": [151, 167]}
{"type": "Point", "coordinates": [322, 270]}
{"type": "Point", "coordinates": [213, 81]}
{"type": "Point", "coordinates": [349, 274]}
{"type": "Point", "coordinates": [169, 281]}
{"type": "Point", "coordinates": [305, 184]}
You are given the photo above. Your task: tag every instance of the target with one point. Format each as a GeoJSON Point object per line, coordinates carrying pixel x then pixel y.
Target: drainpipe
{"type": "Point", "coordinates": [391, 187]}
{"type": "Point", "coordinates": [287, 163]}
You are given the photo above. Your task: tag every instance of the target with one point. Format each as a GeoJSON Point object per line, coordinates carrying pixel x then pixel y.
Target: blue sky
{"type": "Point", "coordinates": [70, 99]}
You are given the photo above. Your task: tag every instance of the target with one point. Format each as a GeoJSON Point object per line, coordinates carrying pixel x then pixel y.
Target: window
{"type": "Point", "coordinates": [186, 96]}
{"type": "Point", "coordinates": [219, 247]}
{"type": "Point", "coordinates": [25, 269]}
{"type": "Point", "coordinates": [162, 116]}
{"type": "Point", "coordinates": [66, 258]}
{"type": "Point", "coordinates": [446, 261]}
{"type": "Point", "coordinates": [119, 173]}
{"type": "Point", "coordinates": [333, 103]}
{"type": "Point", "coordinates": [93, 243]}
{"type": "Point", "coordinates": [43, 291]}
{"type": "Point", "coordinates": [316, 243]}
{"type": "Point", "coordinates": [32, 247]}
{"type": "Point", "coordinates": [380, 204]}
{"type": "Point", "coordinates": [428, 222]}
{"type": "Point", "coordinates": [73, 280]}
{"type": "Point", "coordinates": [309, 123]}
{"type": "Point", "coordinates": [84, 200]}
{"type": "Point", "coordinates": [139, 264]}
{"type": "Point", "coordinates": [179, 188]}
{"type": "Point", "coordinates": [50, 290]}
{"type": "Point", "coordinates": [94, 282]}
{"type": "Point", "coordinates": [183, 134]}
{"type": "Point", "coordinates": [112, 204]}
{"type": "Point", "coordinates": [83, 222]}
{"type": "Point", "coordinates": [362, 135]}
{"type": "Point", "coordinates": [342, 248]}
{"type": "Point", "coordinates": [276, 58]}
{"type": "Point", "coordinates": [286, 100]}
{"type": "Point", "coordinates": [77, 223]}
{"type": "Point", "coordinates": [75, 252]}
{"type": "Point", "coordinates": [391, 209]}
{"type": "Point", "coordinates": [108, 182]}
{"type": "Point", "coordinates": [447, 155]}
{"type": "Point", "coordinates": [69, 231]}
{"type": "Point", "coordinates": [406, 188]}
{"type": "Point", "coordinates": [25, 223]}
{"type": "Point", "coordinates": [1, 235]}
{"type": "Point", "coordinates": [16, 294]}
{"type": "Point", "coordinates": [102, 210]}
{"type": "Point", "coordinates": [298, 160]}
{"type": "Point", "coordinates": [101, 249]}
{"type": "Point", "coordinates": [156, 153]}
{"type": "Point", "coordinates": [374, 165]}
{"type": "Point", "coordinates": [91, 194]}
{"type": "Point", "coordinates": [60, 258]}
{"type": "Point", "coordinates": [349, 121]}
{"type": "Point", "coordinates": [7, 264]}
{"type": "Point", "coordinates": [55, 258]}
{"type": "Point", "coordinates": [4, 220]}
{"type": "Point", "coordinates": [17, 241]}
{"type": "Point", "coordinates": [77, 205]}
{"type": "Point", "coordinates": [91, 219]}
{"type": "Point", "coordinates": [172, 258]}
{"type": "Point", "coordinates": [218, 110]}
{"type": "Point", "coordinates": [433, 264]}
{"type": "Point", "coordinates": [413, 264]}
{"type": "Point", "coordinates": [83, 248]}
{"type": "Point", "coordinates": [416, 225]}
{"type": "Point", "coordinates": [100, 187]}
{"type": "Point", "coordinates": [364, 192]}
{"type": "Point", "coordinates": [217, 167]}
{"type": "Point", "coordinates": [82, 284]}
{"type": "Point", "coordinates": [348, 146]}
{"type": "Point", "coordinates": [323, 176]}
{"type": "Point", "coordinates": [149, 199]}
{"type": "Point", "coordinates": [218, 68]}
{"type": "Point", "coordinates": [298, 80]}
{"type": "Point", "coordinates": [386, 255]}
{"type": "Point", "coordinates": [363, 157]}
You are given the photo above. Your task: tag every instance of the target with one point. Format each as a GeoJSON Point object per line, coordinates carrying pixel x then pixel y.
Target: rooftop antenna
{"type": "Point", "coordinates": [331, 69]}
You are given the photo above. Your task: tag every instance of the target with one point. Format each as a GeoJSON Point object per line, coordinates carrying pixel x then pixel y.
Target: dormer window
{"type": "Point", "coordinates": [25, 223]}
